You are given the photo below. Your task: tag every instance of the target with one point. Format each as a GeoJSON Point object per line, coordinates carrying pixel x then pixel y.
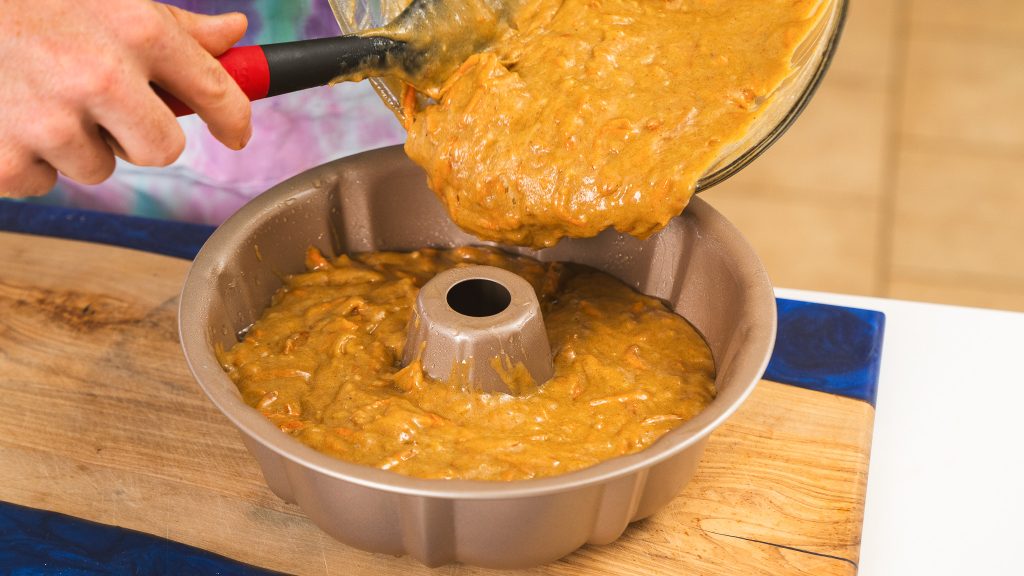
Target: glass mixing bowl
{"type": "Point", "coordinates": [810, 61]}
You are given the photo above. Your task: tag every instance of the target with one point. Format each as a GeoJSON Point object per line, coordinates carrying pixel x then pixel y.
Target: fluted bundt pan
{"type": "Point", "coordinates": [378, 200]}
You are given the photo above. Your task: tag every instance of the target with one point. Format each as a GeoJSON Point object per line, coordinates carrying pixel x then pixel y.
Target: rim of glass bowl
{"type": "Point", "coordinates": [811, 62]}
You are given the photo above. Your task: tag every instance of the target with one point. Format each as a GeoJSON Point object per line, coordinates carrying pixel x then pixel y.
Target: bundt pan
{"type": "Point", "coordinates": [378, 200]}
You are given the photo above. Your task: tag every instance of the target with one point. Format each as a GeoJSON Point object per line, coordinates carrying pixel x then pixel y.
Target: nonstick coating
{"type": "Point", "coordinates": [378, 200]}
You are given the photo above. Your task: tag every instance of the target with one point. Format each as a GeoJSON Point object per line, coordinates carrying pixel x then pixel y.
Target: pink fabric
{"type": "Point", "coordinates": [291, 133]}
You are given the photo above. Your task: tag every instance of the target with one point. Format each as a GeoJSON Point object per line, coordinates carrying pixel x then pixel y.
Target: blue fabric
{"type": "Point", "coordinates": [37, 542]}
{"type": "Point", "coordinates": [179, 239]}
{"type": "Point", "coordinates": [828, 348]}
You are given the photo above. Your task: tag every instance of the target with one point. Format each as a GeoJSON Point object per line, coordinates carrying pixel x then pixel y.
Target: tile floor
{"type": "Point", "coordinates": [904, 178]}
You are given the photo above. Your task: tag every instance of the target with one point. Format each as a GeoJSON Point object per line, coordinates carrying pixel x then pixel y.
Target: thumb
{"type": "Point", "coordinates": [214, 33]}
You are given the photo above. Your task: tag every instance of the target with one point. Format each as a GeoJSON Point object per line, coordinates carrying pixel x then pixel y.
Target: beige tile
{"type": "Point", "coordinates": [814, 245]}
{"type": "Point", "coordinates": [835, 149]}
{"type": "Point", "coordinates": [810, 205]}
{"type": "Point", "coordinates": [960, 291]}
{"type": "Point", "coordinates": [959, 213]}
{"type": "Point", "coordinates": [866, 50]}
{"type": "Point", "coordinates": [990, 19]}
{"type": "Point", "coordinates": [964, 91]}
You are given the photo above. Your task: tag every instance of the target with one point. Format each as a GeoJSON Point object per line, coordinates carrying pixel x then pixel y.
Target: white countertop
{"type": "Point", "coordinates": [947, 459]}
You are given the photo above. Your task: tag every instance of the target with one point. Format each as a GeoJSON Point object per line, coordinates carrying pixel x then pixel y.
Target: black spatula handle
{"type": "Point", "coordinates": [273, 69]}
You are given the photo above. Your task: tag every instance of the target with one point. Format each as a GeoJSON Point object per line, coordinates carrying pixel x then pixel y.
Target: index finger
{"type": "Point", "coordinates": [184, 69]}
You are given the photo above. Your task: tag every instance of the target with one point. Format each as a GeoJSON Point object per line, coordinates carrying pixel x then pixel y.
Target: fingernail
{"type": "Point", "coordinates": [236, 16]}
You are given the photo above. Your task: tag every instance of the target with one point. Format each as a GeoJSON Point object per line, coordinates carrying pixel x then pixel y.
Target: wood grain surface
{"type": "Point", "coordinates": [100, 419]}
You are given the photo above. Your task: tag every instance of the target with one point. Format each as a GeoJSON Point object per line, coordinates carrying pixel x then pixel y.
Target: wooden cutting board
{"type": "Point", "coordinates": [100, 419]}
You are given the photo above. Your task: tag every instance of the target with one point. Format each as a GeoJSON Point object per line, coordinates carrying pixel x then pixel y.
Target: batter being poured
{"type": "Point", "coordinates": [596, 113]}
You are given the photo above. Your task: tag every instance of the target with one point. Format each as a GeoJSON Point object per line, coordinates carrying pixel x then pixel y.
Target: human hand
{"type": "Point", "coordinates": [77, 88]}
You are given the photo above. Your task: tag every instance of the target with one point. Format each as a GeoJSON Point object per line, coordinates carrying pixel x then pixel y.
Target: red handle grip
{"type": "Point", "coordinates": [246, 64]}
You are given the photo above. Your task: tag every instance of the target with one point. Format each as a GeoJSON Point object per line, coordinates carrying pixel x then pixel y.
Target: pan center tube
{"type": "Point", "coordinates": [480, 326]}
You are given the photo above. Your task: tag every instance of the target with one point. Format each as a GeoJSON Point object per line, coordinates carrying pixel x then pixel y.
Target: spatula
{"type": "Point", "coordinates": [423, 45]}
